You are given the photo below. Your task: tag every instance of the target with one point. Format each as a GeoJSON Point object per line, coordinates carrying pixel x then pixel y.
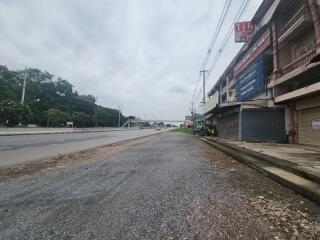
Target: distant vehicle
{"type": "Point", "coordinates": [158, 128]}
{"type": "Point", "coordinates": [32, 126]}
{"type": "Point", "coordinates": [20, 126]}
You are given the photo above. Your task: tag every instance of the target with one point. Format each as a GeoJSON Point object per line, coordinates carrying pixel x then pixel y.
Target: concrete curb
{"type": "Point", "coordinates": [297, 183]}
{"type": "Point", "coordinates": [286, 165]}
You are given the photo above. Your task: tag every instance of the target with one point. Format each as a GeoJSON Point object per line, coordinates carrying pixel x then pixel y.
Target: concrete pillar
{"type": "Point", "coordinates": [314, 11]}
{"type": "Point", "coordinates": [293, 133]}
{"type": "Point", "coordinates": [228, 80]}
{"type": "Point", "coordinates": [276, 68]}
{"type": "Point", "coordinates": [240, 124]}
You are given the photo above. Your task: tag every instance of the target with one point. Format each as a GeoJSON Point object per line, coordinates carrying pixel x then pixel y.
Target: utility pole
{"type": "Point", "coordinates": [119, 118]}
{"type": "Point", "coordinates": [24, 87]}
{"type": "Point", "coordinates": [203, 72]}
{"type": "Point", "coordinates": [192, 115]}
{"type": "Point", "coordinates": [204, 93]}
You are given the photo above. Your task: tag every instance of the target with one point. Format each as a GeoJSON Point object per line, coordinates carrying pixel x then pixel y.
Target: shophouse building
{"type": "Point", "coordinates": [271, 89]}
{"type": "Point", "coordinates": [296, 77]}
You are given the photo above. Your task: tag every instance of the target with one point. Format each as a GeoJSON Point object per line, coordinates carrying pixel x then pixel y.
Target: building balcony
{"type": "Point", "coordinates": [299, 93]}
{"type": "Point", "coordinates": [294, 24]}
{"type": "Point", "coordinates": [301, 61]}
{"type": "Point", "coordinates": [294, 69]}
{"type": "Point", "coordinates": [224, 90]}
{"type": "Point", "coordinates": [212, 103]}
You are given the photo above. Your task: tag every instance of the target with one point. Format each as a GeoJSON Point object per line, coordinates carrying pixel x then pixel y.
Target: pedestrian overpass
{"type": "Point", "coordinates": [138, 122]}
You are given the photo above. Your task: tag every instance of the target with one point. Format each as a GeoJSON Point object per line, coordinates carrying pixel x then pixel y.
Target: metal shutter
{"type": "Point", "coordinates": [307, 135]}
{"type": "Point", "coordinates": [228, 126]}
{"type": "Point", "coordinates": [266, 124]}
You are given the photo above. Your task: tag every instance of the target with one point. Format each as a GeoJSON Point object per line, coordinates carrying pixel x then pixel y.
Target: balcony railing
{"type": "Point", "coordinates": [301, 61]}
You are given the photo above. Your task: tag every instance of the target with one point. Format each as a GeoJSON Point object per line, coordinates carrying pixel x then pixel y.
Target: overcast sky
{"type": "Point", "coordinates": [144, 55]}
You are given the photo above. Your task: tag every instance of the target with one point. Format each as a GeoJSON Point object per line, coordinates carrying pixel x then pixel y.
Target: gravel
{"type": "Point", "coordinates": [171, 186]}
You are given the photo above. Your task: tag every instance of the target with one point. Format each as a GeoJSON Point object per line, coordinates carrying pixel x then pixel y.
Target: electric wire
{"type": "Point", "coordinates": [227, 38]}
{"type": "Point", "coordinates": [221, 20]}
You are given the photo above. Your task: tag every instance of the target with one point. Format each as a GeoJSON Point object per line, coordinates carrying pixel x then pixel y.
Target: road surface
{"type": "Point", "coordinates": [20, 149]}
{"type": "Point", "coordinates": [171, 186]}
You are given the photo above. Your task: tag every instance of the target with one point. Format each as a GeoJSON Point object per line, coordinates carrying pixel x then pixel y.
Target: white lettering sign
{"type": "Point", "coordinates": [316, 124]}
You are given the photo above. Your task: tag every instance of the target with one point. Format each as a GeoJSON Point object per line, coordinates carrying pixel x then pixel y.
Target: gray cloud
{"type": "Point", "coordinates": [125, 52]}
{"type": "Point", "coordinates": [178, 89]}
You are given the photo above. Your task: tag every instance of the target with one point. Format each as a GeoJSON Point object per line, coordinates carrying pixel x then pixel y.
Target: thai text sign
{"type": "Point", "coordinates": [251, 80]}
{"type": "Point", "coordinates": [253, 53]}
{"type": "Point", "coordinates": [316, 124]}
{"type": "Point", "coordinates": [243, 31]}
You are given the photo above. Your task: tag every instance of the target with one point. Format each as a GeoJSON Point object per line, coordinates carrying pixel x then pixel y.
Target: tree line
{"type": "Point", "coordinates": [49, 101]}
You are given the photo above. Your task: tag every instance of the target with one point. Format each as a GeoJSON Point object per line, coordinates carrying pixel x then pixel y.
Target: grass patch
{"type": "Point", "coordinates": [182, 130]}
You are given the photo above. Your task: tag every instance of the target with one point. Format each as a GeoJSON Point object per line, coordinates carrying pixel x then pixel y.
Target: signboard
{"type": "Point", "coordinates": [251, 80]}
{"type": "Point", "coordinates": [316, 124]}
{"type": "Point", "coordinates": [243, 31]}
{"type": "Point", "coordinates": [253, 53]}
{"type": "Point", "coordinates": [188, 121]}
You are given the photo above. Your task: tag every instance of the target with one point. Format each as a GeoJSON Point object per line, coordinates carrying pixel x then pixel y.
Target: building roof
{"type": "Point", "coordinates": [262, 10]}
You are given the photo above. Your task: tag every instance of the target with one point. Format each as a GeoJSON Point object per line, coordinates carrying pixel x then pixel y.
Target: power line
{"type": "Point", "coordinates": [217, 30]}
{"type": "Point", "coordinates": [222, 17]}
{"type": "Point", "coordinates": [225, 41]}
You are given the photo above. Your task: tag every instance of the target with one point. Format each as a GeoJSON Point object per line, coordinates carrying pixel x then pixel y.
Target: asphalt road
{"type": "Point", "coordinates": [20, 149]}
{"type": "Point", "coordinates": [171, 186]}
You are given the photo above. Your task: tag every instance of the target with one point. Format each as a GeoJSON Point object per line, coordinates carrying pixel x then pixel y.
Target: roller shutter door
{"type": "Point", "coordinates": [228, 126]}
{"type": "Point", "coordinates": [267, 124]}
{"type": "Point", "coordinates": [309, 133]}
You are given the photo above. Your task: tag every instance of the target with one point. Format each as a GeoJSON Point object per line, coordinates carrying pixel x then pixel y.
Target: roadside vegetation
{"type": "Point", "coordinates": [182, 130]}
{"type": "Point", "coordinates": [49, 101]}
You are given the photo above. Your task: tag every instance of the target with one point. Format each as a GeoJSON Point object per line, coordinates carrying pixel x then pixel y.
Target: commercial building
{"type": "Point", "coordinates": [270, 91]}
{"type": "Point", "coordinates": [296, 77]}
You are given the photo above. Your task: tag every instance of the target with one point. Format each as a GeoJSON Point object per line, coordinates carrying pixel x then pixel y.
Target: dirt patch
{"type": "Point", "coordinates": [289, 215]}
{"type": "Point", "coordinates": [67, 159]}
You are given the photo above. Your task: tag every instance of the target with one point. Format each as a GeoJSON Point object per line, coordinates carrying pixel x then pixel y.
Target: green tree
{"type": "Point", "coordinates": [57, 118]}
{"type": "Point", "coordinates": [11, 84]}
{"type": "Point", "coordinates": [63, 87]}
{"type": "Point", "coordinates": [81, 119]}
{"type": "Point", "coordinates": [12, 113]}
{"type": "Point", "coordinates": [44, 92]}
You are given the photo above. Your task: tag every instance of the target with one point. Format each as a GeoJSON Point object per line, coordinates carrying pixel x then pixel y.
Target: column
{"type": "Point", "coordinates": [275, 74]}
{"type": "Point", "coordinates": [314, 11]}
{"type": "Point", "coordinates": [228, 80]}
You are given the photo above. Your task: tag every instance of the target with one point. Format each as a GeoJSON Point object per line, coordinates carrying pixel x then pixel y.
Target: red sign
{"type": "Point", "coordinates": [188, 120]}
{"type": "Point", "coordinates": [253, 52]}
{"type": "Point", "coordinates": [243, 30]}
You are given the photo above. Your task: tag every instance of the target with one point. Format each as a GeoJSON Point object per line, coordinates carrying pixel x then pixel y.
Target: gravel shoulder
{"type": "Point", "coordinates": [169, 186]}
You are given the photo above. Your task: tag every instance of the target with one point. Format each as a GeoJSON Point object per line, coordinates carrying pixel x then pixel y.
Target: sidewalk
{"type": "Point", "coordinates": [35, 131]}
{"type": "Point", "coordinates": [295, 166]}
